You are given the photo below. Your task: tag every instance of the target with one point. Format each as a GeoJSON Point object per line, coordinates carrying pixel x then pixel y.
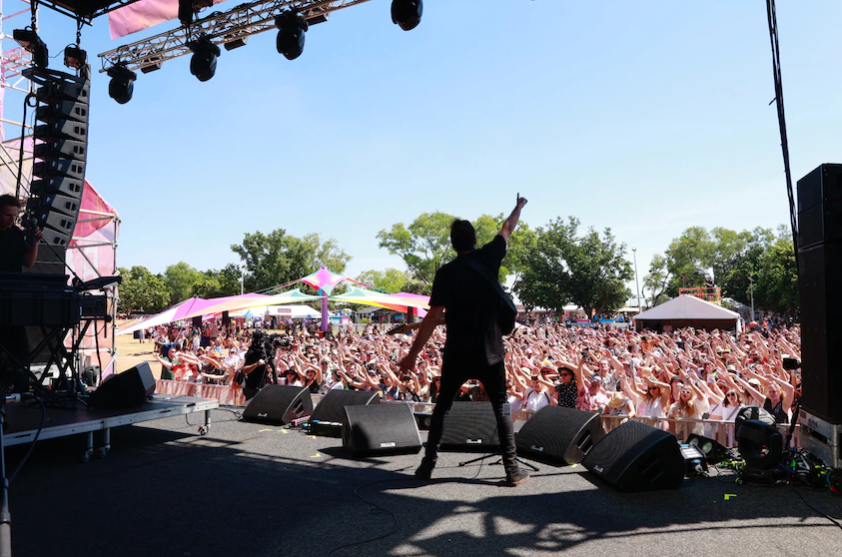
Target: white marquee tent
{"type": "Point", "coordinates": [687, 311]}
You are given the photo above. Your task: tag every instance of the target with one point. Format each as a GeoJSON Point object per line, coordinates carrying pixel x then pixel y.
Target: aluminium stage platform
{"type": "Point", "coordinates": [24, 418]}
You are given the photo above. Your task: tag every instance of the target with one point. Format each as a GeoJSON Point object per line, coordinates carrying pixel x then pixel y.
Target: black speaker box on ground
{"type": "Point", "coordinates": [470, 427]}
{"type": "Point", "coordinates": [124, 390]}
{"type": "Point", "coordinates": [329, 414]}
{"type": "Point", "coordinates": [279, 405]}
{"type": "Point", "coordinates": [380, 429]}
{"type": "Point", "coordinates": [559, 436]}
{"type": "Point", "coordinates": [714, 451]}
{"type": "Point", "coordinates": [637, 457]}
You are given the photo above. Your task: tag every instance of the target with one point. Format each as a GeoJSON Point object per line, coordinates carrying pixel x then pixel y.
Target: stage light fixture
{"type": "Point", "coordinates": [406, 14]}
{"type": "Point", "coordinates": [121, 86]}
{"type": "Point", "coordinates": [75, 57]}
{"type": "Point", "coordinates": [291, 30]}
{"type": "Point", "coordinates": [30, 41]}
{"type": "Point", "coordinates": [154, 66]}
{"type": "Point", "coordinates": [186, 11]}
{"type": "Point", "coordinates": [235, 43]}
{"type": "Point", "coordinates": [203, 62]}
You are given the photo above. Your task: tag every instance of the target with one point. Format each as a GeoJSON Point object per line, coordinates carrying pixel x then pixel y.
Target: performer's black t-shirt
{"type": "Point", "coordinates": [471, 305]}
{"type": "Point", "coordinates": [12, 250]}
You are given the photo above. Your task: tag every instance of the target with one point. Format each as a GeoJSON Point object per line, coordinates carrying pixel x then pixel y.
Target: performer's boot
{"type": "Point", "coordinates": [425, 470]}
{"type": "Point", "coordinates": [514, 475]}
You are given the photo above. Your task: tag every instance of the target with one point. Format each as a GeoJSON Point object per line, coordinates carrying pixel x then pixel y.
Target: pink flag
{"type": "Point", "coordinates": [90, 222]}
{"type": "Point", "coordinates": [142, 15]}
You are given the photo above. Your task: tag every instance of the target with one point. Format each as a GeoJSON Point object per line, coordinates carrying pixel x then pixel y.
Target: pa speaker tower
{"type": "Point", "coordinates": [820, 285]}
{"type": "Point", "coordinates": [61, 153]}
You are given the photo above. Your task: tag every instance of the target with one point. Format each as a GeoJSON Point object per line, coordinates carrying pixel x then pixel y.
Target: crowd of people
{"type": "Point", "coordinates": [685, 373]}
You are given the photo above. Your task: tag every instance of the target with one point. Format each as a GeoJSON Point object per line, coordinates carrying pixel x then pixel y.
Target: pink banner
{"type": "Point", "coordinates": [142, 15]}
{"type": "Point", "coordinates": [88, 222]}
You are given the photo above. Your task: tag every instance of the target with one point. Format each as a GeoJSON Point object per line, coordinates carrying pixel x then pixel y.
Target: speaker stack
{"type": "Point", "coordinates": [58, 173]}
{"type": "Point", "coordinates": [819, 281]}
{"type": "Point", "coordinates": [279, 405]}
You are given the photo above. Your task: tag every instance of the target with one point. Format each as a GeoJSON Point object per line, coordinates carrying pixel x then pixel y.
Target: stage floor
{"type": "Point", "coordinates": [258, 491]}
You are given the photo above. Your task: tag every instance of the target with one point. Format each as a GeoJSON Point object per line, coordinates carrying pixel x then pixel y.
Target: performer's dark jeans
{"type": "Point", "coordinates": [493, 378]}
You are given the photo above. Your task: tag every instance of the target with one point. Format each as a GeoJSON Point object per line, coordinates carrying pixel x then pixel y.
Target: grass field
{"type": "Point", "coordinates": [131, 352]}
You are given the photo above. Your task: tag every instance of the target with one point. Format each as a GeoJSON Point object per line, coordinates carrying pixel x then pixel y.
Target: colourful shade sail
{"type": "Point", "coordinates": [396, 302]}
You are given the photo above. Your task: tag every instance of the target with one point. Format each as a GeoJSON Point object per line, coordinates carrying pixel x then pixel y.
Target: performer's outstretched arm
{"type": "Point", "coordinates": [428, 325]}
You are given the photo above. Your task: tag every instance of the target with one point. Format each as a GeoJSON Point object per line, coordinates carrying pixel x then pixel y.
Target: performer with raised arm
{"type": "Point", "coordinates": [464, 293]}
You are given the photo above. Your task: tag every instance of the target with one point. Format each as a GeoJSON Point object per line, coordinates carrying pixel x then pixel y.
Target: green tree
{"type": "Point", "coordinates": [736, 259]}
{"type": "Point", "coordinates": [215, 284]}
{"type": "Point", "coordinates": [590, 270]}
{"type": "Point", "coordinates": [776, 287]}
{"type": "Point", "coordinates": [656, 282]}
{"type": "Point", "coordinates": [688, 256]}
{"type": "Point", "coordinates": [391, 280]}
{"type": "Point", "coordinates": [277, 258]}
{"type": "Point", "coordinates": [142, 291]}
{"type": "Point", "coordinates": [180, 279]}
{"type": "Point", "coordinates": [425, 246]}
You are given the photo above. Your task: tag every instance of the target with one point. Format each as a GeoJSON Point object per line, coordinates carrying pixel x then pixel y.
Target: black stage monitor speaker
{"type": "Point", "coordinates": [124, 390]}
{"type": "Point", "coordinates": [279, 405]}
{"type": "Point", "coordinates": [820, 286]}
{"type": "Point", "coordinates": [637, 457]}
{"type": "Point", "coordinates": [330, 411]}
{"type": "Point", "coordinates": [470, 427]}
{"type": "Point", "coordinates": [559, 436]}
{"type": "Point", "coordinates": [380, 429]}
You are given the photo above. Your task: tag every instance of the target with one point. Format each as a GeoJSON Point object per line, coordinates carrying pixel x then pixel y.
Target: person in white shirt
{"type": "Point", "coordinates": [536, 396]}
{"type": "Point", "coordinates": [691, 406]}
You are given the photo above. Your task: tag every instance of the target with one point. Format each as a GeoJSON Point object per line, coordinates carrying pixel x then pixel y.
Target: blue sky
{"type": "Point", "coordinates": [646, 117]}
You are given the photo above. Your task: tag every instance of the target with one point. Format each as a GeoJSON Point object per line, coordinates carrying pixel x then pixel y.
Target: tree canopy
{"type": "Point", "coordinates": [590, 271]}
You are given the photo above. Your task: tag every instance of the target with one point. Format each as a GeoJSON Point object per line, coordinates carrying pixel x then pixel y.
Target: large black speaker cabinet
{"type": "Point", "coordinates": [279, 405]}
{"type": "Point", "coordinates": [637, 457]}
{"type": "Point", "coordinates": [380, 429]}
{"type": "Point", "coordinates": [820, 286]}
{"type": "Point", "coordinates": [559, 436]}
{"type": "Point", "coordinates": [330, 411]}
{"type": "Point", "coordinates": [470, 427]}
{"type": "Point", "coordinates": [124, 390]}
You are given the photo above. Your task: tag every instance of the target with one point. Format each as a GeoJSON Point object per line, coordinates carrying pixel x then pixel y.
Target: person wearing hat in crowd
{"type": "Point", "coordinates": [593, 397]}
{"type": "Point", "coordinates": [618, 405]}
{"type": "Point", "coordinates": [567, 388]}
{"type": "Point", "coordinates": [537, 396]}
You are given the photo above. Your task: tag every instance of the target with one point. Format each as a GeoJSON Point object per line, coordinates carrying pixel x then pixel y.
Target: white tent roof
{"type": "Point", "coordinates": [686, 307]}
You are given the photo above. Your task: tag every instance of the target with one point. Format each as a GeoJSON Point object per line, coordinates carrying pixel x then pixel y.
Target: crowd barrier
{"type": "Point", "coordinates": [224, 394]}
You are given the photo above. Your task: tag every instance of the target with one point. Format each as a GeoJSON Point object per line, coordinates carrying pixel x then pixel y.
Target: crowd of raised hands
{"type": "Point", "coordinates": [687, 373]}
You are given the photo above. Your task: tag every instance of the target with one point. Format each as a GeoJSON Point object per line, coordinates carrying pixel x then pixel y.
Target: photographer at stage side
{"type": "Point", "coordinates": [16, 252]}
{"type": "Point", "coordinates": [255, 365]}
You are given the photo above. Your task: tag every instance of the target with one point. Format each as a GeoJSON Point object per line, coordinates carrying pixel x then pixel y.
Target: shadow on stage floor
{"type": "Point", "coordinates": [257, 491]}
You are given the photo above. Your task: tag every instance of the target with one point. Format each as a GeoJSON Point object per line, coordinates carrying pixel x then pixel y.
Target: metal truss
{"type": "Point", "coordinates": [220, 28]}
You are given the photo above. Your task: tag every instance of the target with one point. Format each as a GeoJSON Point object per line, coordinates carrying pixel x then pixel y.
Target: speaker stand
{"type": "Point", "coordinates": [500, 461]}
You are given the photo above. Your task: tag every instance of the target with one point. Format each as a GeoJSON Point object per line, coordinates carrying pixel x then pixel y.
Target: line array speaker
{"type": "Point", "coordinates": [820, 286]}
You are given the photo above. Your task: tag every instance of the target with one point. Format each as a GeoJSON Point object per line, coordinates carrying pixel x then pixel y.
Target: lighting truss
{"type": "Point", "coordinates": [220, 28]}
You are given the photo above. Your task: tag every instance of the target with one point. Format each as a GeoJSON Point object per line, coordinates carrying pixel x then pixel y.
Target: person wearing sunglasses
{"type": "Point", "coordinates": [567, 388]}
{"type": "Point", "coordinates": [691, 405]}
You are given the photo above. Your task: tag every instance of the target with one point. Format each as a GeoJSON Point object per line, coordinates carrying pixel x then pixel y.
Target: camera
{"type": "Point", "coordinates": [790, 363]}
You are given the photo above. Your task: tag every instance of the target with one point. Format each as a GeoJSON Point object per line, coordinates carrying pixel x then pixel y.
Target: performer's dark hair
{"type": "Point", "coordinates": [9, 200]}
{"type": "Point", "coordinates": [462, 235]}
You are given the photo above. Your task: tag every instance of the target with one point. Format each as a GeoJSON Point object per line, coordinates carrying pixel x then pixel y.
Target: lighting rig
{"type": "Point", "coordinates": [231, 29]}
